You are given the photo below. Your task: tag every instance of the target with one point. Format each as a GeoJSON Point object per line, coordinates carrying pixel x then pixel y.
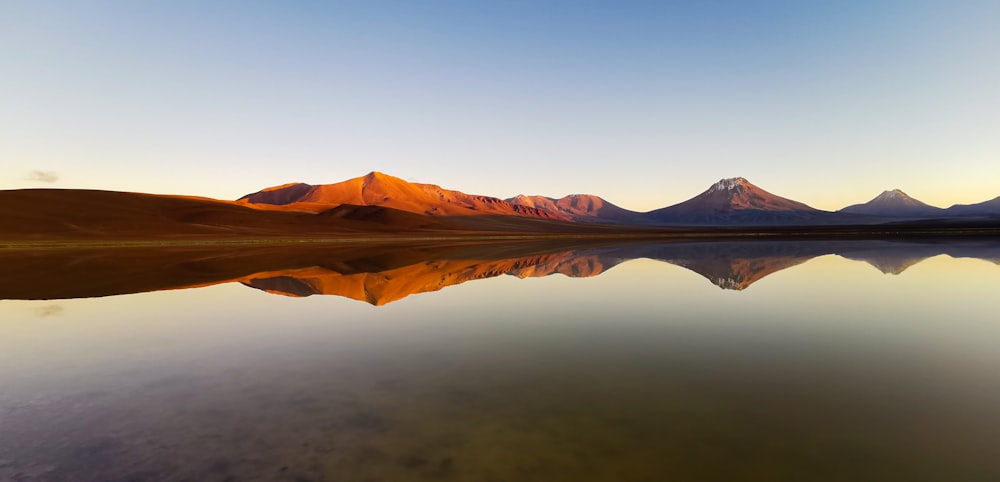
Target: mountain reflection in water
{"type": "Point", "coordinates": [379, 274]}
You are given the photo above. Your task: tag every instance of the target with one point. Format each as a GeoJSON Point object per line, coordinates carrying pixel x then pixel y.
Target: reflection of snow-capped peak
{"type": "Point", "coordinates": [728, 283]}
{"type": "Point", "coordinates": [730, 184]}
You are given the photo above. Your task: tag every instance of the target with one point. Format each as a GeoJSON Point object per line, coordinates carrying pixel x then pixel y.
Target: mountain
{"type": "Point", "coordinates": [894, 203]}
{"type": "Point", "coordinates": [378, 189]}
{"type": "Point", "coordinates": [580, 207]}
{"type": "Point", "coordinates": [985, 208]}
{"type": "Point", "coordinates": [737, 201]}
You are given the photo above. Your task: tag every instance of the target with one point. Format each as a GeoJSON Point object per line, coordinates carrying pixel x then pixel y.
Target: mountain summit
{"type": "Point", "coordinates": [736, 193]}
{"type": "Point", "coordinates": [894, 203]}
{"type": "Point", "coordinates": [378, 189]}
{"type": "Point", "coordinates": [736, 201]}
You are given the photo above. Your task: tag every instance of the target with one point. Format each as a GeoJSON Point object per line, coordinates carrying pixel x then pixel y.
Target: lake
{"type": "Point", "coordinates": [534, 361]}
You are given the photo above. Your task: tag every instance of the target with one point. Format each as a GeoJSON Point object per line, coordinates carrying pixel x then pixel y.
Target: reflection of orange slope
{"type": "Point", "coordinates": [381, 273]}
{"type": "Point", "coordinates": [395, 284]}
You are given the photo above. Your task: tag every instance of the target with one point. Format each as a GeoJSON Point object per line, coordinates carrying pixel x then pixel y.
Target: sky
{"type": "Point", "coordinates": [643, 103]}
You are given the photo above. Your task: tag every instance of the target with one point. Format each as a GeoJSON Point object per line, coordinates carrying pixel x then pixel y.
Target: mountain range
{"type": "Point", "coordinates": [384, 206]}
{"type": "Point", "coordinates": [733, 201]}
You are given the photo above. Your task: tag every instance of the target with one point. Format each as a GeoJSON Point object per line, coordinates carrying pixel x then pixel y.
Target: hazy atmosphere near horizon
{"type": "Point", "coordinates": [643, 103]}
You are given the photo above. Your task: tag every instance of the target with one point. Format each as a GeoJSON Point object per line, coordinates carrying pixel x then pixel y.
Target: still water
{"type": "Point", "coordinates": [821, 361]}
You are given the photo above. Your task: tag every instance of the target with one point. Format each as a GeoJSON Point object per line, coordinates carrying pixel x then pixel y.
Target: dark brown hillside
{"type": "Point", "coordinates": [54, 214]}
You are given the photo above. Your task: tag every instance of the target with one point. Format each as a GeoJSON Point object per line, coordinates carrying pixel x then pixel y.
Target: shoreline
{"type": "Point", "coordinates": [712, 234]}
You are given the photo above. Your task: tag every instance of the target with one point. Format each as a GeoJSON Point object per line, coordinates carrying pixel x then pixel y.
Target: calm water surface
{"type": "Point", "coordinates": [725, 361]}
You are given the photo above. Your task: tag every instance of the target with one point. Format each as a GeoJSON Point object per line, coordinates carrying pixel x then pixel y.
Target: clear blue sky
{"type": "Point", "coordinates": [643, 103]}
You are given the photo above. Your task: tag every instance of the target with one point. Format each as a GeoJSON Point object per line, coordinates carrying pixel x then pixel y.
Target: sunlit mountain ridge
{"type": "Point", "coordinates": [379, 205]}
{"type": "Point", "coordinates": [731, 201]}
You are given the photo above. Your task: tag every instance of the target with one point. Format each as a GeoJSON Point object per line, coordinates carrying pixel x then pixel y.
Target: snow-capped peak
{"type": "Point", "coordinates": [729, 184]}
{"type": "Point", "coordinates": [891, 195]}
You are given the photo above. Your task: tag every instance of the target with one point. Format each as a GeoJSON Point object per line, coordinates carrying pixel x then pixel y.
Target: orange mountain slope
{"type": "Point", "coordinates": [377, 189]}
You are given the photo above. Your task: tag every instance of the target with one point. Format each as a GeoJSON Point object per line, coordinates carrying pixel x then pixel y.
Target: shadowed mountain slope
{"type": "Point", "coordinates": [989, 208]}
{"type": "Point", "coordinates": [581, 207]}
{"type": "Point", "coordinates": [894, 203]}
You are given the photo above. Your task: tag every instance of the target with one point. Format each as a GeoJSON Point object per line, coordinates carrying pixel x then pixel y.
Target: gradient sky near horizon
{"type": "Point", "coordinates": [643, 103]}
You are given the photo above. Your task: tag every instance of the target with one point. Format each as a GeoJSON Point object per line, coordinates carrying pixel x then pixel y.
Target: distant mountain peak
{"type": "Point", "coordinates": [892, 195]}
{"type": "Point", "coordinates": [893, 203]}
{"type": "Point", "coordinates": [896, 196]}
